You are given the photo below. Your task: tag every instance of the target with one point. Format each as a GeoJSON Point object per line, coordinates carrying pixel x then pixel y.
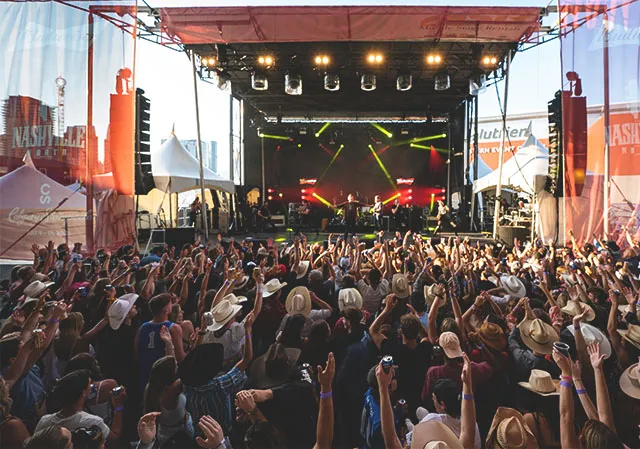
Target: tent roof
{"type": "Point", "coordinates": [28, 188]}
{"type": "Point", "coordinates": [176, 170]}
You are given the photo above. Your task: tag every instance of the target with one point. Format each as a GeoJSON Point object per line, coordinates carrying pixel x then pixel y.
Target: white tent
{"type": "Point", "coordinates": [28, 196]}
{"type": "Point", "coordinates": [521, 171]}
{"type": "Point", "coordinates": [175, 170]}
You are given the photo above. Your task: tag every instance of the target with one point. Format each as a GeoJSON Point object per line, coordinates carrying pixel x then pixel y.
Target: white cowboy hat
{"type": "Point", "coordinates": [540, 382]}
{"type": "Point", "coordinates": [272, 287]}
{"type": "Point", "coordinates": [573, 308]}
{"type": "Point", "coordinates": [513, 286]}
{"type": "Point", "coordinates": [302, 268]}
{"type": "Point", "coordinates": [434, 435]}
{"type": "Point", "coordinates": [298, 301]}
{"type": "Point", "coordinates": [120, 309]}
{"type": "Point", "coordinates": [233, 299]}
{"type": "Point", "coordinates": [593, 334]}
{"type": "Point", "coordinates": [632, 335]}
{"type": "Point", "coordinates": [222, 313]}
{"type": "Point", "coordinates": [241, 284]}
{"type": "Point", "coordinates": [538, 335]}
{"type": "Point", "coordinates": [431, 291]}
{"type": "Point", "coordinates": [630, 381]}
{"type": "Point", "coordinates": [262, 251]}
{"type": "Point", "coordinates": [36, 288]}
{"type": "Point", "coordinates": [400, 285]}
{"type": "Point", "coordinates": [349, 297]}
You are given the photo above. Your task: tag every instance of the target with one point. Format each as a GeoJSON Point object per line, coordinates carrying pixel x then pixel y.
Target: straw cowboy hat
{"type": "Point", "coordinates": [233, 299]}
{"type": "Point", "coordinates": [120, 309]}
{"type": "Point", "coordinates": [302, 268]}
{"type": "Point", "coordinates": [509, 431]}
{"type": "Point", "coordinates": [242, 283]}
{"type": "Point", "coordinates": [626, 308]}
{"type": "Point", "coordinates": [513, 286]}
{"type": "Point", "coordinates": [36, 288]}
{"type": "Point", "coordinates": [431, 291]}
{"type": "Point", "coordinates": [538, 335]}
{"type": "Point", "coordinates": [274, 368]}
{"type": "Point", "coordinates": [630, 381]}
{"type": "Point", "coordinates": [400, 286]}
{"type": "Point", "coordinates": [492, 335]}
{"type": "Point", "coordinates": [349, 297]}
{"type": "Point", "coordinates": [540, 382]}
{"type": "Point", "coordinates": [222, 313]}
{"type": "Point", "coordinates": [632, 335]}
{"type": "Point", "coordinates": [573, 308]}
{"type": "Point", "coordinates": [434, 435]}
{"type": "Point", "coordinates": [298, 301]}
{"type": "Point", "coordinates": [272, 287]}
{"type": "Point", "coordinates": [593, 334]}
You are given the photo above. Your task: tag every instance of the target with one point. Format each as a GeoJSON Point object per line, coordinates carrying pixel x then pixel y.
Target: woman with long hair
{"type": "Point", "coordinates": [177, 316]}
{"type": "Point", "coordinates": [13, 432]}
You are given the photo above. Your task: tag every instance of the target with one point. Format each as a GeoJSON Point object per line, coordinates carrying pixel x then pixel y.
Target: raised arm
{"type": "Point", "coordinates": [585, 400]}
{"type": "Point", "coordinates": [391, 440]}
{"type": "Point", "coordinates": [374, 330]}
{"type": "Point", "coordinates": [468, 413]}
{"type": "Point", "coordinates": [433, 315]}
{"type": "Point", "coordinates": [568, 437]}
{"type": "Point", "coordinates": [605, 414]}
{"type": "Point", "coordinates": [247, 355]}
{"type": "Point", "coordinates": [324, 430]}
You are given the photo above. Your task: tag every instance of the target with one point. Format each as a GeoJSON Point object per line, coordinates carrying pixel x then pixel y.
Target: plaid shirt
{"type": "Point", "coordinates": [216, 398]}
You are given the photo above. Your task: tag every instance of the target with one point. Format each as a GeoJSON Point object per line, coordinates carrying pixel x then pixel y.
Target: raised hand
{"type": "Point", "coordinates": [165, 335]}
{"type": "Point", "coordinates": [563, 362]}
{"type": "Point", "coordinates": [147, 427]}
{"type": "Point", "coordinates": [325, 376]}
{"type": "Point", "coordinates": [246, 401]}
{"type": "Point", "coordinates": [595, 356]}
{"type": "Point", "coordinates": [466, 370]}
{"type": "Point", "coordinates": [213, 434]}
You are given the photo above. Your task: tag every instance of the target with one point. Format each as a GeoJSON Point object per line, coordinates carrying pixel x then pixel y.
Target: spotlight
{"type": "Point", "coordinates": [489, 60]}
{"type": "Point", "coordinates": [293, 84]}
{"type": "Point", "coordinates": [280, 194]}
{"type": "Point", "coordinates": [208, 61]}
{"type": "Point", "coordinates": [270, 190]}
{"type": "Point", "coordinates": [322, 60]}
{"type": "Point", "coordinates": [270, 197]}
{"type": "Point", "coordinates": [477, 84]}
{"type": "Point", "coordinates": [433, 59]}
{"type": "Point", "coordinates": [265, 60]}
{"type": "Point", "coordinates": [404, 82]}
{"type": "Point", "coordinates": [368, 82]}
{"type": "Point", "coordinates": [259, 81]}
{"type": "Point", "coordinates": [441, 81]}
{"type": "Point", "coordinates": [375, 58]}
{"type": "Point", "coordinates": [331, 82]}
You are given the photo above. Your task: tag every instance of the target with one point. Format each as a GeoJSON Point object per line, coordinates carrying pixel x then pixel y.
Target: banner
{"type": "Point", "coordinates": [54, 58]}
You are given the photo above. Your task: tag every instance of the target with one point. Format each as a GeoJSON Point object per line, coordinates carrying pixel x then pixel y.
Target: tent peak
{"type": "Point", "coordinates": [28, 161]}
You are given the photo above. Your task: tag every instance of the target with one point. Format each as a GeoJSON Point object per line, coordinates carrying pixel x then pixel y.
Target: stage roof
{"type": "Point", "coordinates": [404, 35]}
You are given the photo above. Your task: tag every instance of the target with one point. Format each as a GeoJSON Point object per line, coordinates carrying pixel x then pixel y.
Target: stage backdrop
{"type": "Point", "coordinates": [600, 49]}
{"type": "Point", "coordinates": [44, 91]}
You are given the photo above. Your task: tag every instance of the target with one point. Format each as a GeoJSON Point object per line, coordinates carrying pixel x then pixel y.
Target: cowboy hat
{"type": "Point", "coordinates": [513, 286]}
{"type": "Point", "coordinates": [632, 335]}
{"type": "Point", "coordinates": [593, 334]}
{"type": "Point", "coordinates": [272, 287]}
{"type": "Point", "coordinates": [434, 435]}
{"type": "Point", "coordinates": [431, 291]}
{"type": "Point", "coordinates": [492, 335]}
{"type": "Point", "coordinates": [262, 251]}
{"type": "Point", "coordinates": [540, 382]}
{"type": "Point", "coordinates": [120, 309]}
{"type": "Point", "coordinates": [298, 301]}
{"type": "Point", "coordinates": [349, 297]}
{"type": "Point", "coordinates": [630, 381]}
{"type": "Point", "coordinates": [509, 431]}
{"type": "Point", "coordinates": [274, 368]}
{"type": "Point", "coordinates": [222, 313]}
{"type": "Point", "coordinates": [626, 308]}
{"type": "Point", "coordinates": [573, 308]}
{"type": "Point", "coordinates": [538, 335]}
{"type": "Point", "coordinates": [36, 288]}
{"type": "Point", "coordinates": [302, 268]}
{"type": "Point", "coordinates": [242, 283]}
{"type": "Point", "coordinates": [233, 299]}
{"type": "Point", "coordinates": [400, 286]}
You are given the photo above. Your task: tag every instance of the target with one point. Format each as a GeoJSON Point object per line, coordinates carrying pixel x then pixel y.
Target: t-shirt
{"type": "Point", "coordinates": [73, 422]}
{"type": "Point", "coordinates": [452, 423]}
{"type": "Point", "coordinates": [351, 211]}
{"type": "Point", "coordinates": [314, 316]}
{"type": "Point", "coordinates": [480, 372]}
{"type": "Point", "coordinates": [371, 298]}
{"type": "Point", "coordinates": [232, 340]}
{"type": "Point", "coordinates": [26, 393]}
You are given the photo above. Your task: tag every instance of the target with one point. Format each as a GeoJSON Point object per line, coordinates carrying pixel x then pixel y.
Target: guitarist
{"type": "Point", "coordinates": [444, 217]}
{"type": "Point", "coordinates": [377, 212]}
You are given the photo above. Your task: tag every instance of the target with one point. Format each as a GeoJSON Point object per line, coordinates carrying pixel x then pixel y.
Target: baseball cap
{"type": "Point", "coordinates": [450, 344]}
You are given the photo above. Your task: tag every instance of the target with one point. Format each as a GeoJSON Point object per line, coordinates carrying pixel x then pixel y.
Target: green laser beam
{"type": "Point", "coordinates": [384, 169]}
{"type": "Point", "coordinates": [272, 136]}
{"type": "Point", "coordinates": [382, 130]}
{"type": "Point", "coordinates": [321, 130]}
{"type": "Point", "coordinates": [335, 156]}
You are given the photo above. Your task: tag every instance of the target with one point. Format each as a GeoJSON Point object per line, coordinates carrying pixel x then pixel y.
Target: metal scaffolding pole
{"type": "Point", "coordinates": [496, 214]}
{"type": "Point", "coordinates": [205, 220]}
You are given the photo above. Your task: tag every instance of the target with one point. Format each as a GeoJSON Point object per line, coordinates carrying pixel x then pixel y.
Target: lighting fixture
{"type": "Point", "coordinates": [322, 60]}
{"type": "Point", "coordinates": [477, 84]}
{"type": "Point", "coordinates": [368, 82]}
{"type": "Point", "coordinates": [293, 84]}
{"type": "Point", "coordinates": [259, 81]}
{"type": "Point", "coordinates": [208, 61]}
{"type": "Point", "coordinates": [489, 60]}
{"type": "Point", "coordinates": [375, 58]}
{"type": "Point", "coordinates": [265, 60]}
{"type": "Point", "coordinates": [404, 82]}
{"type": "Point", "coordinates": [433, 59]}
{"type": "Point", "coordinates": [331, 82]}
{"type": "Point", "coordinates": [441, 81]}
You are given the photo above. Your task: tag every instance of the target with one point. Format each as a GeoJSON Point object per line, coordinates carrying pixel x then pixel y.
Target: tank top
{"type": "Point", "coordinates": [150, 348]}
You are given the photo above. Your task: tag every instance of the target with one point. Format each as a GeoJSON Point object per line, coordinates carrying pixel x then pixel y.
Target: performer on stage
{"type": "Point", "coordinates": [377, 212]}
{"type": "Point", "coordinates": [351, 207]}
{"type": "Point", "coordinates": [194, 210]}
{"type": "Point", "coordinates": [304, 216]}
{"type": "Point", "coordinates": [444, 218]}
{"type": "Point", "coordinates": [264, 218]}
{"type": "Point", "coordinates": [397, 212]}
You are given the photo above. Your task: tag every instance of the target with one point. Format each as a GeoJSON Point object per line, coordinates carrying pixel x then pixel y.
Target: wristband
{"type": "Point", "coordinates": [567, 378]}
{"type": "Point", "coordinates": [53, 321]}
{"type": "Point", "coordinates": [581, 391]}
{"type": "Point", "coordinates": [247, 337]}
{"type": "Point", "coordinates": [564, 383]}
{"type": "Point", "coordinates": [467, 397]}
{"type": "Point", "coordinates": [326, 395]}
{"type": "Point", "coordinates": [576, 327]}
{"type": "Point", "coordinates": [118, 408]}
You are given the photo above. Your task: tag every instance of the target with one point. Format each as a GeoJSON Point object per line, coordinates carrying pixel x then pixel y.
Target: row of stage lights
{"type": "Point", "coordinates": [308, 193]}
{"type": "Point", "coordinates": [368, 81]}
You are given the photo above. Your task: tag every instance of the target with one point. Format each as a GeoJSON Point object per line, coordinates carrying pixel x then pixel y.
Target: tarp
{"type": "Point", "coordinates": [27, 196]}
{"type": "Point", "coordinates": [520, 171]}
{"type": "Point", "coordinates": [175, 170]}
{"type": "Point", "coordinates": [206, 25]}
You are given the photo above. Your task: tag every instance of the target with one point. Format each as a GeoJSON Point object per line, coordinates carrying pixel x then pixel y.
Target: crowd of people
{"type": "Point", "coordinates": [405, 341]}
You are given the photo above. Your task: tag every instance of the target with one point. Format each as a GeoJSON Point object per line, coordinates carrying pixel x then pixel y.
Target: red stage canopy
{"type": "Point", "coordinates": [347, 23]}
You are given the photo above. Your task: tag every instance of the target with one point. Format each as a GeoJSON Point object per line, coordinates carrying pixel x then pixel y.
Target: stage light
{"type": "Point", "coordinates": [331, 82]}
{"type": "Point", "coordinates": [303, 197]}
{"type": "Point", "coordinates": [389, 134]}
{"type": "Point", "coordinates": [265, 60]}
{"type": "Point", "coordinates": [404, 82]}
{"type": "Point", "coordinates": [384, 169]}
{"type": "Point", "coordinates": [434, 58]}
{"type": "Point", "coordinates": [322, 59]}
{"type": "Point", "coordinates": [270, 197]}
{"type": "Point", "coordinates": [321, 130]}
{"type": "Point", "coordinates": [391, 198]}
{"type": "Point", "coordinates": [259, 81]}
{"type": "Point", "coordinates": [303, 190]}
{"type": "Point", "coordinates": [444, 190]}
{"type": "Point", "coordinates": [477, 84]}
{"type": "Point", "coordinates": [489, 61]}
{"type": "Point", "coordinates": [280, 194]}
{"type": "Point", "coordinates": [441, 81]}
{"type": "Point", "coordinates": [293, 84]}
{"type": "Point", "coordinates": [270, 190]}
{"type": "Point", "coordinates": [368, 82]}
{"type": "Point", "coordinates": [409, 198]}
{"type": "Point", "coordinates": [375, 58]}
{"type": "Point", "coordinates": [273, 136]}
{"type": "Point", "coordinates": [322, 200]}
{"type": "Point", "coordinates": [335, 156]}
{"type": "Point", "coordinates": [423, 139]}
{"type": "Point", "coordinates": [299, 145]}
{"type": "Point", "coordinates": [410, 191]}
{"type": "Point", "coordinates": [433, 200]}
